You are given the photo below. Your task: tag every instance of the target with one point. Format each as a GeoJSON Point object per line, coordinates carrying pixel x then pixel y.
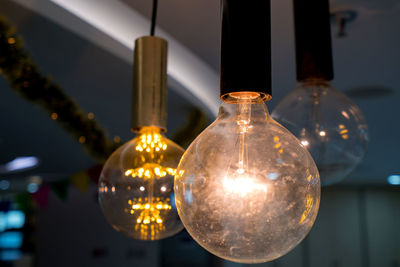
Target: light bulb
{"type": "Point", "coordinates": [136, 187]}
{"type": "Point", "coordinates": [246, 189]}
{"type": "Point", "coordinates": [329, 124]}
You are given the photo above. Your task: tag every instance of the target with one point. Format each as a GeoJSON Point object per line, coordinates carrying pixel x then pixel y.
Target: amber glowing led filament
{"type": "Point", "coordinates": [136, 184]}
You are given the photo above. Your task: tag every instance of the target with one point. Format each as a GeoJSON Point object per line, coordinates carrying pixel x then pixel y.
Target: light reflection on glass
{"type": "Point", "coordinates": [328, 124]}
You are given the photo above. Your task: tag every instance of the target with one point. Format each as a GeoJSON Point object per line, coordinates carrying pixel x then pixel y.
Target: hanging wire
{"type": "Point", "coordinates": [154, 17]}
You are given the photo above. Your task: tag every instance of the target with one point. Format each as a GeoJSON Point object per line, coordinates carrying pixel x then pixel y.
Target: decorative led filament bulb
{"type": "Point", "coordinates": [246, 189]}
{"type": "Point", "coordinates": [136, 184]}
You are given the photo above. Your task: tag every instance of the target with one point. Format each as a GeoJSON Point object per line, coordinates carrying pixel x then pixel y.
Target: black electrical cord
{"type": "Point", "coordinates": [153, 18]}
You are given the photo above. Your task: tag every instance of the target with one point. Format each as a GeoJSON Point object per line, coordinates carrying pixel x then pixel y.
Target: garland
{"type": "Point", "coordinates": [17, 66]}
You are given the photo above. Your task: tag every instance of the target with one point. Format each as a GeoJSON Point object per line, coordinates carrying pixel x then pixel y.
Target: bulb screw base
{"type": "Point", "coordinates": [149, 94]}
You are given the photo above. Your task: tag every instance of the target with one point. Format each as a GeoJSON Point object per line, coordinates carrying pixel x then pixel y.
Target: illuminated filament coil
{"type": "Point", "coordinates": [150, 221]}
{"type": "Point", "coordinates": [150, 170]}
{"type": "Point", "coordinates": [150, 143]}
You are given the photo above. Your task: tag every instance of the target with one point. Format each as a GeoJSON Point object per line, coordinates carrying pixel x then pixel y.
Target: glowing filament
{"type": "Point", "coordinates": [242, 185]}
{"type": "Point", "coordinates": [150, 170]}
{"type": "Point", "coordinates": [150, 220]}
{"type": "Point", "coordinates": [150, 141]}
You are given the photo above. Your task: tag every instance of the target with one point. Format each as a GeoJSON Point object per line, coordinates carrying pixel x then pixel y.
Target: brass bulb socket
{"type": "Point", "coordinates": [149, 96]}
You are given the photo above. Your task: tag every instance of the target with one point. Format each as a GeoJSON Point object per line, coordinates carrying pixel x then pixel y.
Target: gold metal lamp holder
{"type": "Point", "coordinates": [149, 96]}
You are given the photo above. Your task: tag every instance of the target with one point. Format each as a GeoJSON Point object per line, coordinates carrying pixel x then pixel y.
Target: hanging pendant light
{"type": "Point", "coordinates": [246, 189]}
{"type": "Point", "coordinates": [136, 183]}
{"type": "Point", "coordinates": [327, 122]}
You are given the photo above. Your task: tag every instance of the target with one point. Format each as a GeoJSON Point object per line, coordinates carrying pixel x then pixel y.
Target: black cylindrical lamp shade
{"type": "Point", "coordinates": [313, 40]}
{"type": "Point", "coordinates": [246, 46]}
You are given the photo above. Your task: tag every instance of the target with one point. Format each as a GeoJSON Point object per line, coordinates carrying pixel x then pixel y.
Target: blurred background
{"type": "Point", "coordinates": [49, 214]}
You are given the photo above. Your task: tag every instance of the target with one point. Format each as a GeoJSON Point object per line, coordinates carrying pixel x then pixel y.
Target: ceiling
{"type": "Point", "coordinates": [100, 81]}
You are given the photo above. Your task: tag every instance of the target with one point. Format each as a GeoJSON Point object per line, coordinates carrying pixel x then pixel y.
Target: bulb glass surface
{"type": "Point", "coordinates": [136, 187]}
{"type": "Point", "coordinates": [328, 124]}
{"type": "Point", "coordinates": [246, 189]}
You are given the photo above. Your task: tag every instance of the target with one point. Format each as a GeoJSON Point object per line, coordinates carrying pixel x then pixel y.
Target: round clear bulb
{"type": "Point", "coordinates": [136, 187]}
{"type": "Point", "coordinates": [328, 124]}
{"type": "Point", "coordinates": [246, 189]}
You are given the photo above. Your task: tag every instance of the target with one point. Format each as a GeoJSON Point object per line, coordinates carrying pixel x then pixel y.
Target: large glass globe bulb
{"type": "Point", "coordinates": [136, 187]}
{"type": "Point", "coordinates": [246, 189]}
{"type": "Point", "coordinates": [329, 124]}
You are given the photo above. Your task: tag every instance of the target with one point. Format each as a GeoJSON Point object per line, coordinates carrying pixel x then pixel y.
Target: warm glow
{"type": "Point", "coordinates": [117, 139]}
{"type": "Point", "coordinates": [146, 171]}
{"type": "Point", "coordinates": [305, 142]}
{"type": "Point", "coordinates": [54, 116]}
{"type": "Point", "coordinates": [151, 214]}
{"type": "Point", "coordinates": [152, 146]}
{"type": "Point", "coordinates": [243, 186]}
{"type": "Point", "coordinates": [343, 131]}
{"type": "Point", "coordinates": [278, 144]}
{"type": "Point", "coordinates": [149, 140]}
{"type": "Point", "coordinates": [150, 170]}
{"type": "Point", "coordinates": [246, 189]}
{"type": "Point", "coordinates": [82, 139]}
